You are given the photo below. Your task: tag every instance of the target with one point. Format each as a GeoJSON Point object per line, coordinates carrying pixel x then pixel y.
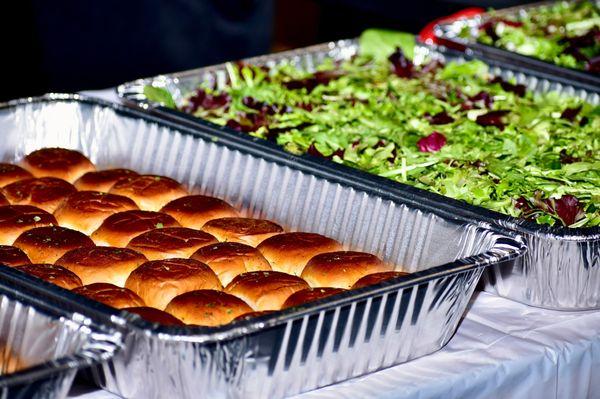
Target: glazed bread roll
{"type": "Point", "coordinates": [252, 315]}
{"type": "Point", "coordinates": [12, 256]}
{"type": "Point", "coordinates": [341, 269]}
{"type": "Point", "coordinates": [155, 316]}
{"type": "Point", "coordinates": [110, 295]}
{"type": "Point", "coordinates": [265, 290]}
{"type": "Point", "coordinates": [243, 230]}
{"type": "Point", "coordinates": [102, 180]}
{"type": "Point", "coordinates": [309, 295]}
{"type": "Point", "coordinates": [159, 281]}
{"type": "Point", "coordinates": [64, 164]}
{"type": "Point", "coordinates": [53, 274]}
{"type": "Point", "coordinates": [118, 229]}
{"type": "Point", "coordinates": [47, 244]}
{"type": "Point", "coordinates": [376, 278]}
{"type": "Point", "coordinates": [170, 242]}
{"type": "Point", "coordinates": [290, 252]}
{"type": "Point", "coordinates": [17, 219]}
{"type": "Point", "coordinates": [3, 200]}
{"type": "Point", "coordinates": [207, 307]}
{"type": "Point", "coordinates": [46, 193]}
{"type": "Point", "coordinates": [10, 173]}
{"type": "Point", "coordinates": [194, 211]}
{"type": "Point", "coordinates": [86, 210]}
{"type": "Point", "coordinates": [150, 192]}
{"type": "Point", "coordinates": [229, 259]}
{"type": "Point", "coordinates": [102, 264]}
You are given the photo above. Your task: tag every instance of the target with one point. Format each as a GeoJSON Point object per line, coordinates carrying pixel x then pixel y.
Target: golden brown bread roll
{"type": "Point", "coordinates": [376, 278]}
{"type": "Point", "coordinates": [252, 315]}
{"type": "Point", "coordinates": [341, 269]}
{"type": "Point", "coordinates": [102, 264]}
{"type": "Point", "coordinates": [150, 192]}
{"type": "Point", "coordinates": [229, 259]}
{"type": "Point", "coordinates": [12, 256]}
{"type": "Point", "coordinates": [207, 307]}
{"type": "Point", "coordinates": [111, 295]}
{"type": "Point", "coordinates": [3, 200]}
{"type": "Point", "coordinates": [194, 211]}
{"type": "Point", "coordinates": [154, 315]}
{"type": "Point", "coordinates": [10, 173]}
{"type": "Point", "coordinates": [118, 229]}
{"type": "Point", "coordinates": [46, 193]}
{"type": "Point", "coordinates": [16, 219]}
{"type": "Point", "coordinates": [53, 274]}
{"type": "Point", "coordinates": [290, 252]}
{"type": "Point", "coordinates": [159, 281]}
{"type": "Point", "coordinates": [170, 242]}
{"type": "Point", "coordinates": [47, 244]}
{"type": "Point", "coordinates": [102, 180]}
{"type": "Point", "coordinates": [265, 290]}
{"type": "Point", "coordinates": [86, 210]}
{"type": "Point", "coordinates": [243, 230]}
{"type": "Point", "coordinates": [310, 295]}
{"type": "Point", "coordinates": [64, 164]}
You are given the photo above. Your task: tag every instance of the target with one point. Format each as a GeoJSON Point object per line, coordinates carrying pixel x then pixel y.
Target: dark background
{"type": "Point", "coordinates": [71, 45]}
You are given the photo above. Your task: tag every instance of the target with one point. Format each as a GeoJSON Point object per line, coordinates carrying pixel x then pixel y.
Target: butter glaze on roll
{"type": "Point", "coordinates": [102, 180]}
{"type": "Point", "coordinates": [46, 193]}
{"type": "Point", "coordinates": [64, 164]}
{"type": "Point", "coordinates": [194, 211]}
{"type": "Point", "coordinates": [154, 315]}
{"type": "Point", "coordinates": [13, 256]}
{"type": "Point", "coordinates": [229, 259]}
{"type": "Point", "coordinates": [53, 274]}
{"type": "Point", "coordinates": [10, 173]}
{"type": "Point", "coordinates": [102, 264]}
{"type": "Point", "coordinates": [86, 210]}
{"type": "Point", "coordinates": [376, 278]}
{"type": "Point", "coordinates": [150, 192]}
{"type": "Point", "coordinates": [310, 295]}
{"type": "Point", "coordinates": [170, 242]}
{"type": "Point", "coordinates": [110, 295]}
{"type": "Point", "coordinates": [341, 269]}
{"type": "Point", "coordinates": [252, 315]}
{"type": "Point", "coordinates": [265, 290]}
{"type": "Point", "coordinates": [243, 230]}
{"type": "Point", "coordinates": [17, 219]}
{"type": "Point", "coordinates": [290, 252]}
{"type": "Point", "coordinates": [118, 229]}
{"type": "Point", "coordinates": [47, 244]}
{"type": "Point", "coordinates": [207, 307]}
{"type": "Point", "coordinates": [3, 200]}
{"type": "Point", "coordinates": [157, 282]}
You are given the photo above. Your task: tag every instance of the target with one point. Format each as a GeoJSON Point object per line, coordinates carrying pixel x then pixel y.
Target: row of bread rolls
{"type": "Point", "coordinates": [142, 243]}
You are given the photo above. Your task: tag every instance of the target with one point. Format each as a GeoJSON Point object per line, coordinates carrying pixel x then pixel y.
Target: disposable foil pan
{"type": "Point", "coordinates": [448, 33]}
{"type": "Point", "coordinates": [300, 348]}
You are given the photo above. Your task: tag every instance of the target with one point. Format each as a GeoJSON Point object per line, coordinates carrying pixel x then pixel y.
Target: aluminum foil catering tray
{"type": "Point", "coordinates": [448, 32]}
{"type": "Point", "coordinates": [562, 268]}
{"type": "Point", "coordinates": [299, 349]}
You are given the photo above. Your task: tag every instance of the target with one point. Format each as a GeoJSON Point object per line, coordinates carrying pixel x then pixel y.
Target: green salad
{"type": "Point", "coordinates": [564, 33]}
{"type": "Point", "coordinates": [450, 128]}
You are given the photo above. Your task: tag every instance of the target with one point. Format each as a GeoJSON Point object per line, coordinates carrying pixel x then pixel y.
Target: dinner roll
{"type": "Point", "coordinates": [154, 315]}
{"type": "Point", "coordinates": [86, 210]}
{"type": "Point", "coordinates": [290, 252]}
{"type": "Point", "coordinates": [265, 290]}
{"type": "Point", "coordinates": [150, 192]}
{"type": "Point", "coordinates": [159, 281]}
{"type": "Point", "coordinates": [47, 244]}
{"type": "Point", "coordinates": [170, 242]}
{"type": "Point", "coordinates": [10, 173]}
{"type": "Point", "coordinates": [243, 230]}
{"type": "Point", "coordinates": [111, 295]}
{"type": "Point", "coordinates": [102, 180]}
{"type": "Point", "coordinates": [12, 256]}
{"type": "Point", "coordinates": [16, 219]}
{"type": "Point", "coordinates": [228, 259]}
{"type": "Point", "coordinates": [194, 211]}
{"type": "Point", "coordinates": [3, 200]}
{"type": "Point", "coordinates": [53, 274]}
{"type": "Point", "coordinates": [118, 229]}
{"type": "Point", "coordinates": [46, 193]}
{"type": "Point", "coordinates": [102, 264]}
{"type": "Point", "coordinates": [65, 164]}
{"type": "Point", "coordinates": [341, 269]}
{"type": "Point", "coordinates": [207, 307]}
{"type": "Point", "coordinates": [252, 315]}
{"type": "Point", "coordinates": [309, 295]}
{"type": "Point", "coordinates": [376, 278]}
